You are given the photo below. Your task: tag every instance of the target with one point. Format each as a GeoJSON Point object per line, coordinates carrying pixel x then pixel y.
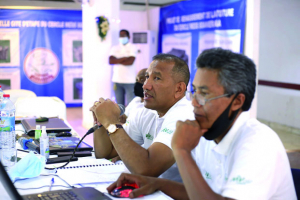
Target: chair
{"type": "Point", "coordinates": [15, 94]}
{"type": "Point", "coordinates": [294, 159]}
{"type": "Point", "coordinates": [296, 179]}
{"type": "Point", "coordinates": [41, 106]}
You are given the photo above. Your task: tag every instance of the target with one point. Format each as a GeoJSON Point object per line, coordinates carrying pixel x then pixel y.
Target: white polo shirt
{"type": "Point", "coordinates": [250, 162]}
{"type": "Point", "coordinates": [145, 127]}
{"type": "Point", "coordinates": [134, 104]}
{"type": "Point", "coordinates": [123, 73]}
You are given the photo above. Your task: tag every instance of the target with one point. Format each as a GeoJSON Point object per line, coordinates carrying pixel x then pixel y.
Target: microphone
{"type": "Point", "coordinates": [27, 144]}
{"type": "Point", "coordinates": [95, 127]}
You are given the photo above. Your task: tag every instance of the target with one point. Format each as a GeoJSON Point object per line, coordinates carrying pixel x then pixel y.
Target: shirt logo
{"type": "Point", "coordinates": [149, 137]}
{"type": "Point", "coordinates": [207, 175]}
{"type": "Point", "coordinates": [167, 131]}
{"type": "Point", "coordinates": [240, 180]}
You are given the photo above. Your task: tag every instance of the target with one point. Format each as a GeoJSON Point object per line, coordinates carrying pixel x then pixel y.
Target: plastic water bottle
{"type": "Point", "coordinates": [1, 93]}
{"type": "Point", "coordinates": [7, 133]}
{"type": "Point", "coordinates": [44, 143]}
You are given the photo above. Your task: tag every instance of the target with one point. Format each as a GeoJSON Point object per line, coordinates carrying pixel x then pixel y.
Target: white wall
{"type": "Point", "coordinates": [137, 20]}
{"type": "Point", "coordinates": [279, 59]}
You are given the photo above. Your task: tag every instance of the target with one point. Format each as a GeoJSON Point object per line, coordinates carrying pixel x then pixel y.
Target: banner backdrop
{"type": "Point", "coordinates": [189, 27]}
{"type": "Point", "coordinates": [42, 45]}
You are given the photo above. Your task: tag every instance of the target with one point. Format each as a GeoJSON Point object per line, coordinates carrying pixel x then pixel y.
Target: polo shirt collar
{"type": "Point", "coordinates": [227, 141]}
{"type": "Point", "coordinates": [174, 107]}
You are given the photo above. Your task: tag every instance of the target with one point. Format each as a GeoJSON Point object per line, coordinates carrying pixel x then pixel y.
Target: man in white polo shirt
{"type": "Point", "coordinates": [153, 126]}
{"type": "Point", "coordinates": [122, 56]}
{"type": "Point", "coordinates": [223, 154]}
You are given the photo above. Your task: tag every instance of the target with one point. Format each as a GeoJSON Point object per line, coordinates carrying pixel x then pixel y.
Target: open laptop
{"type": "Point", "coordinates": [88, 193]}
{"type": "Point", "coordinates": [53, 125]}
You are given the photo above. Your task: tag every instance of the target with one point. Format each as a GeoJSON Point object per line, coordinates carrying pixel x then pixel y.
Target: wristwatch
{"type": "Point", "coordinates": [112, 128]}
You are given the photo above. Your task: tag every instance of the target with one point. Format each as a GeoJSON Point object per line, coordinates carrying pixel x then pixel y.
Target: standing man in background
{"type": "Point", "coordinates": [122, 56]}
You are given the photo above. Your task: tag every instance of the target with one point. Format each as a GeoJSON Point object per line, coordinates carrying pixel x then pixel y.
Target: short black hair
{"type": "Point", "coordinates": [180, 67]}
{"type": "Point", "coordinates": [236, 72]}
{"type": "Point", "coordinates": [127, 32]}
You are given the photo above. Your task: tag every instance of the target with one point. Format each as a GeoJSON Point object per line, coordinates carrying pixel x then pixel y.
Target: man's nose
{"type": "Point", "coordinates": [195, 103]}
{"type": "Point", "coordinates": [147, 85]}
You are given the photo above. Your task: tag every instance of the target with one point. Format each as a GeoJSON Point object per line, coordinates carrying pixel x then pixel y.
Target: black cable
{"type": "Point", "coordinates": [42, 187]}
{"type": "Point", "coordinates": [23, 150]}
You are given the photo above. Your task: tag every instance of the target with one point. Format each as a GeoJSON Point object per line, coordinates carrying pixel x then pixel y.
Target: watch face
{"type": "Point", "coordinates": [111, 128]}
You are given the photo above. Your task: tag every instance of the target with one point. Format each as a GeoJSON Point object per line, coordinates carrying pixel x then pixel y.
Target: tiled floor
{"type": "Point", "coordinates": [290, 140]}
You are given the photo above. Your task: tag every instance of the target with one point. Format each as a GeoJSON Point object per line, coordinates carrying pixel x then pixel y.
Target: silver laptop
{"type": "Point", "coordinates": [53, 125]}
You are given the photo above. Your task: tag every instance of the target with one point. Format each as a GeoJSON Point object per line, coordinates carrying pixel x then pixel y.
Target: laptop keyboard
{"type": "Point", "coordinates": [61, 195]}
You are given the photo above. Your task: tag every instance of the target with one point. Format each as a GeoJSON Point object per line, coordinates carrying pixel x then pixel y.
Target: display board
{"type": "Point", "coordinates": [189, 27]}
{"type": "Point", "coordinates": [39, 49]}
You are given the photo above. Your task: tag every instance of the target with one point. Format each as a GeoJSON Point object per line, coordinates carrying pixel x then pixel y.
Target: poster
{"type": "Point", "coordinates": [40, 43]}
{"type": "Point", "coordinates": [200, 25]}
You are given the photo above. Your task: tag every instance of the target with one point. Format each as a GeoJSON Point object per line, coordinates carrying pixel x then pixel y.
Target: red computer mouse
{"type": "Point", "coordinates": [124, 190]}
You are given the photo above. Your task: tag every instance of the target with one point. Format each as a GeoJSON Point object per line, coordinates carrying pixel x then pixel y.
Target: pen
{"type": "Point", "coordinates": [51, 183]}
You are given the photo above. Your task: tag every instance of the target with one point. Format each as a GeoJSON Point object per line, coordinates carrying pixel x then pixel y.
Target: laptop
{"type": "Point", "coordinates": [53, 125]}
{"type": "Point", "coordinates": [65, 144]}
{"type": "Point", "coordinates": [88, 193]}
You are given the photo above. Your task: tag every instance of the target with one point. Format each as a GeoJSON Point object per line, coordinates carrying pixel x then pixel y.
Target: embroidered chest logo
{"type": "Point", "coordinates": [167, 131]}
{"type": "Point", "coordinates": [207, 175]}
{"type": "Point", "coordinates": [240, 180]}
{"type": "Point", "coordinates": [149, 137]}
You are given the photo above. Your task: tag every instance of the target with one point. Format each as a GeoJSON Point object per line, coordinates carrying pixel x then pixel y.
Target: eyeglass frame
{"type": "Point", "coordinates": [203, 100]}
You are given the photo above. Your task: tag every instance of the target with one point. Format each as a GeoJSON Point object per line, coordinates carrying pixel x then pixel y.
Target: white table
{"type": "Point", "coordinates": [26, 186]}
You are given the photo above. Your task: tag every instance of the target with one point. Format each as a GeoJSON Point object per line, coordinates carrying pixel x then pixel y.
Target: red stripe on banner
{"type": "Point", "coordinates": [279, 84]}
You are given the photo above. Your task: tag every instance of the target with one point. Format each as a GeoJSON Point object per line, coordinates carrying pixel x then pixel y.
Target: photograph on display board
{"type": "Point", "coordinates": [77, 51]}
{"type": "Point", "coordinates": [5, 84]}
{"type": "Point", "coordinates": [178, 45]}
{"type": "Point", "coordinates": [4, 51]}
{"type": "Point", "coordinates": [9, 47]}
{"type": "Point", "coordinates": [226, 39]}
{"type": "Point", "coordinates": [77, 88]}
{"type": "Point", "coordinates": [72, 48]}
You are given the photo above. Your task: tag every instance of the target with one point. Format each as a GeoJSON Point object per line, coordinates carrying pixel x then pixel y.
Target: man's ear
{"type": "Point", "coordinates": [238, 102]}
{"type": "Point", "coordinates": [180, 89]}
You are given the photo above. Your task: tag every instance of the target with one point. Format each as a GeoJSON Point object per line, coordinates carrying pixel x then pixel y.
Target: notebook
{"type": "Point", "coordinates": [91, 171]}
{"type": "Point", "coordinates": [80, 193]}
{"type": "Point", "coordinates": [53, 125]}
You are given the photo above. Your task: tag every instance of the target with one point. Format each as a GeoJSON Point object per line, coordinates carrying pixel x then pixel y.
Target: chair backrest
{"type": "Point", "coordinates": [41, 106]}
{"type": "Point", "coordinates": [15, 94]}
{"type": "Point", "coordinates": [296, 178]}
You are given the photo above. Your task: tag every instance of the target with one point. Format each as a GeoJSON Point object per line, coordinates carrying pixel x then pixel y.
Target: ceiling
{"type": "Point", "coordinates": [133, 5]}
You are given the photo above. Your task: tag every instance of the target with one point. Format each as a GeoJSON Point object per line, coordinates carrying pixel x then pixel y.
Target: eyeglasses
{"type": "Point", "coordinates": [201, 99]}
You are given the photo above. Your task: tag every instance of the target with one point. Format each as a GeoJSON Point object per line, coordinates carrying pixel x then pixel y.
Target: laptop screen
{"type": "Point", "coordinates": [7, 188]}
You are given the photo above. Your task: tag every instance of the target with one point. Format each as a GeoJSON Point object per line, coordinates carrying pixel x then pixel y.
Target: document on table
{"type": "Point", "coordinates": [91, 171]}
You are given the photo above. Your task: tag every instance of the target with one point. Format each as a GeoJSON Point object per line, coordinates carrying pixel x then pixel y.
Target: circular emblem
{"type": "Point", "coordinates": [41, 66]}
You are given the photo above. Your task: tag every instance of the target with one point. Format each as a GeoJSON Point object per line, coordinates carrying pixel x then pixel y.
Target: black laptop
{"type": "Point", "coordinates": [75, 193]}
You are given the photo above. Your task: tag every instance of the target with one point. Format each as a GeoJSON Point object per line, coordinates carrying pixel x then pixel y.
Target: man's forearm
{"type": "Point", "coordinates": [102, 144]}
{"type": "Point", "coordinates": [195, 185]}
{"type": "Point", "coordinates": [173, 189]}
{"type": "Point", "coordinates": [114, 60]}
{"type": "Point", "coordinates": [128, 61]}
{"type": "Point", "coordinates": [139, 160]}
{"type": "Point", "coordinates": [132, 154]}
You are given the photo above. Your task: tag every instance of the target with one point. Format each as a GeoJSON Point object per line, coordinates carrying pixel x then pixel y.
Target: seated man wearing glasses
{"type": "Point", "coordinates": [223, 154]}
